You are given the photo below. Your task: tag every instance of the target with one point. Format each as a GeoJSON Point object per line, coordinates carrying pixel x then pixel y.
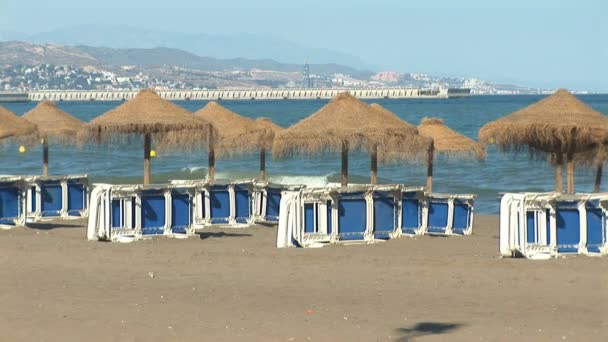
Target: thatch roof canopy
{"type": "Point", "coordinates": [273, 127]}
{"type": "Point", "coordinates": [558, 123]}
{"type": "Point", "coordinates": [54, 123]}
{"type": "Point", "coordinates": [346, 119]}
{"type": "Point", "coordinates": [237, 133]}
{"type": "Point", "coordinates": [391, 116]}
{"type": "Point", "coordinates": [268, 123]}
{"type": "Point", "coordinates": [147, 113]}
{"type": "Point", "coordinates": [13, 126]}
{"type": "Point", "coordinates": [449, 142]}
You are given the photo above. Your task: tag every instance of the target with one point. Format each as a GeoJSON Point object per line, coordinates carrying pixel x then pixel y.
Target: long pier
{"type": "Point", "coordinates": [247, 94]}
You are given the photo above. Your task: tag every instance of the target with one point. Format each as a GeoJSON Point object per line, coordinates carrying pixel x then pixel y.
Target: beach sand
{"type": "Point", "coordinates": [234, 285]}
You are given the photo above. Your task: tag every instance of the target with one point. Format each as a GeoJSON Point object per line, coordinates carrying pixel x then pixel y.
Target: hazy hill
{"type": "Point", "coordinates": [168, 56]}
{"type": "Point", "coordinates": [13, 53]}
{"type": "Point", "coordinates": [221, 46]}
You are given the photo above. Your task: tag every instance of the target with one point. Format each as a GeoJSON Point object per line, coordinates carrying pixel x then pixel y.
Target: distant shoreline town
{"type": "Point", "coordinates": [28, 67]}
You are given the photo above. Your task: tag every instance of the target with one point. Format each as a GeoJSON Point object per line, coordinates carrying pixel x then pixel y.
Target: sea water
{"type": "Point", "coordinates": [499, 173]}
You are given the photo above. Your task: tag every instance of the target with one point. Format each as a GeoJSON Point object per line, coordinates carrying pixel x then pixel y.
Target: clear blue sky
{"type": "Point", "coordinates": [548, 43]}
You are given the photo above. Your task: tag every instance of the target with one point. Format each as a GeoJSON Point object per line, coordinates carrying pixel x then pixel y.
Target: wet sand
{"type": "Point", "coordinates": [234, 285]}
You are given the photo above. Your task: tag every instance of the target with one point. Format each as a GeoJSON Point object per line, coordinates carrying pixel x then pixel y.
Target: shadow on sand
{"type": "Point", "coordinates": [207, 235]}
{"type": "Point", "coordinates": [426, 328]}
{"type": "Point", "coordinates": [55, 225]}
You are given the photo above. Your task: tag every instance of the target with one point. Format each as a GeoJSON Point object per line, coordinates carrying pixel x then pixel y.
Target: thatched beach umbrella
{"type": "Point", "coordinates": [236, 133]}
{"type": "Point", "coordinates": [344, 124]}
{"type": "Point", "coordinates": [147, 114]}
{"type": "Point", "coordinates": [559, 124]}
{"type": "Point", "coordinates": [275, 130]}
{"type": "Point", "coordinates": [15, 127]}
{"type": "Point", "coordinates": [53, 125]}
{"type": "Point", "coordinates": [447, 142]}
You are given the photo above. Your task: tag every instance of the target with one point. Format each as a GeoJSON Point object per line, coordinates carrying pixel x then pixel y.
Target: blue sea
{"type": "Point", "coordinates": [499, 173]}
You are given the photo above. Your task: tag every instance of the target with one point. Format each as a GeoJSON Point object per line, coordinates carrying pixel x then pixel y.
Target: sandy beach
{"type": "Point", "coordinates": [234, 285]}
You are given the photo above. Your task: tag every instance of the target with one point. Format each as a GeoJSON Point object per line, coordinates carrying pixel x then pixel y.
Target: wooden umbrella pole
{"type": "Point", "coordinates": [344, 174]}
{"type": "Point", "coordinates": [598, 177]}
{"type": "Point", "coordinates": [211, 161]}
{"type": "Point", "coordinates": [570, 162]}
{"type": "Point", "coordinates": [147, 143]}
{"type": "Point", "coordinates": [263, 164]}
{"type": "Point", "coordinates": [558, 172]}
{"type": "Point", "coordinates": [429, 168]}
{"type": "Point", "coordinates": [211, 175]}
{"type": "Point", "coordinates": [374, 164]}
{"type": "Point", "coordinates": [45, 157]}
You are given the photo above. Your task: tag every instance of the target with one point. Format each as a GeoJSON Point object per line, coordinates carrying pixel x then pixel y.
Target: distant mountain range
{"type": "Point", "coordinates": [15, 53]}
{"type": "Point", "coordinates": [221, 46]}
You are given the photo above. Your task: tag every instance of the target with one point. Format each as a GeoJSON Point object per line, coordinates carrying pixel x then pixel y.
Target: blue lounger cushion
{"type": "Point", "coordinates": [352, 218]}
{"type": "Point", "coordinates": [117, 214]}
{"type": "Point", "coordinates": [273, 202]}
{"type": "Point", "coordinates": [181, 212]}
{"type": "Point", "coordinates": [438, 216]}
{"type": "Point", "coordinates": [76, 198]}
{"type": "Point", "coordinates": [310, 225]}
{"type": "Point", "coordinates": [568, 228]}
{"type": "Point", "coordinates": [242, 197]}
{"type": "Point", "coordinates": [532, 228]}
{"type": "Point", "coordinates": [52, 201]}
{"type": "Point", "coordinates": [329, 218]}
{"type": "Point", "coordinates": [410, 213]}
{"type": "Point", "coordinates": [9, 205]}
{"type": "Point", "coordinates": [152, 213]}
{"type": "Point", "coordinates": [32, 196]}
{"type": "Point", "coordinates": [220, 203]}
{"type": "Point", "coordinates": [384, 215]}
{"type": "Point", "coordinates": [596, 230]}
{"type": "Point", "coordinates": [462, 217]}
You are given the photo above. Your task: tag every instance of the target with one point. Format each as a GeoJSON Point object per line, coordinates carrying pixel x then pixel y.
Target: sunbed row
{"type": "Point", "coordinates": [314, 216]}
{"type": "Point", "coordinates": [121, 212]}
{"type": "Point", "coordinates": [542, 225]}
{"type": "Point", "coordinates": [37, 198]}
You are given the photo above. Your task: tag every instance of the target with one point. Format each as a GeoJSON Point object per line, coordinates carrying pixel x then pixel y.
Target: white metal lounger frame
{"type": "Point", "coordinates": [100, 220]}
{"type": "Point", "coordinates": [35, 215]}
{"type": "Point", "coordinates": [259, 200]}
{"type": "Point", "coordinates": [420, 196]}
{"type": "Point", "coordinates": [318, 197]}
{"type": "Point", "coordinates": [200, 200]}
{"type": "Point", "coordinates": [203, 200]}
{"type": "Point", "coordinates": [514, 208]}
{"type": "Point", "coordinates": [19, 182]}
{"type": "Point", "coordinates": [450, 199]}
{"type": "Point", "coordinates": [231, 185]}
